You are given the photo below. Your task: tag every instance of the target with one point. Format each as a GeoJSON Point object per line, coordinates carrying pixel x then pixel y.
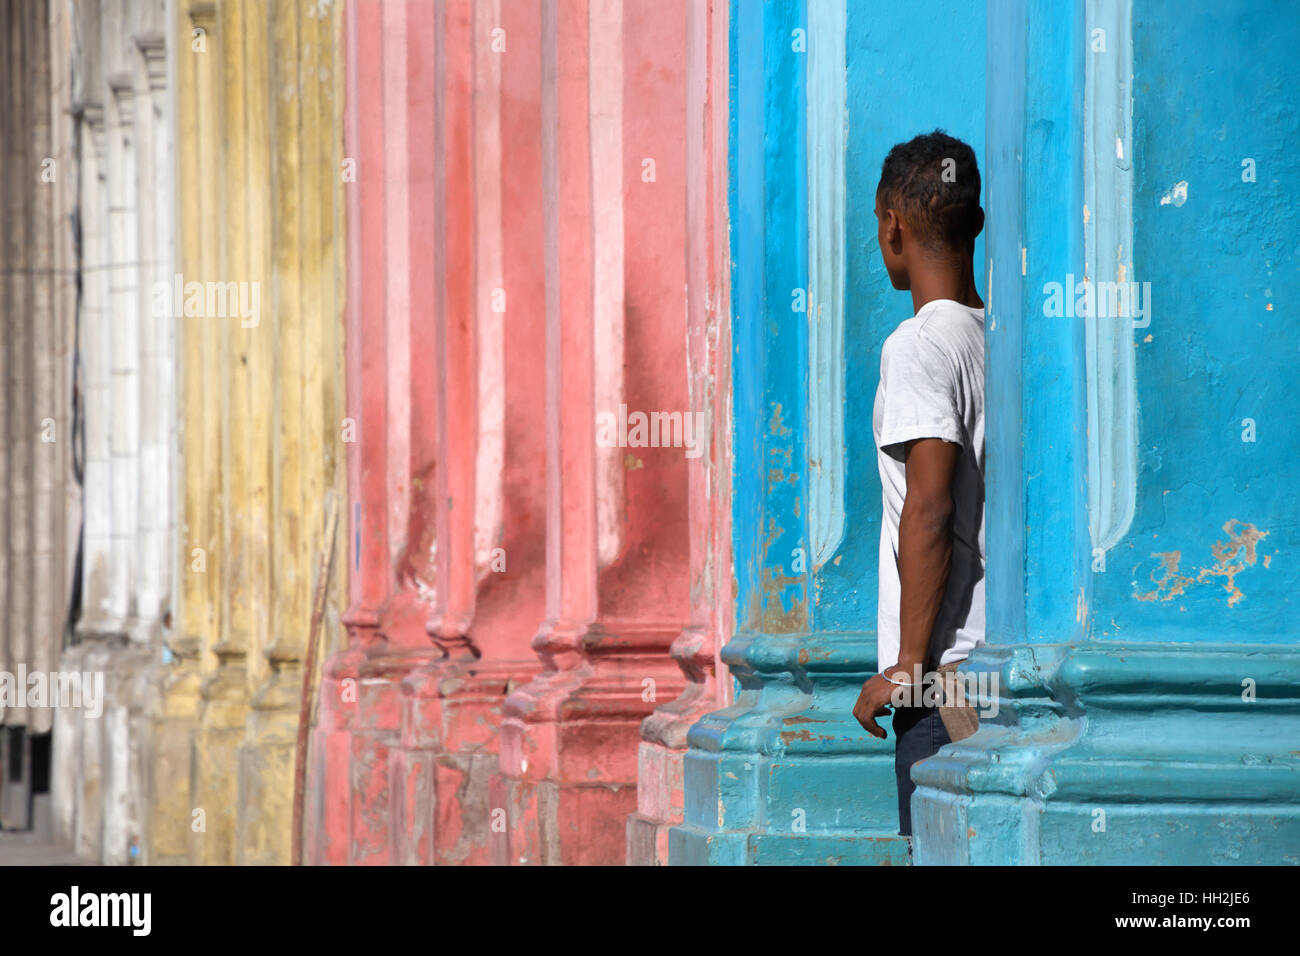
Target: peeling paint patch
{"type": "Point", "coordinates": [1231, 557]}
{"type": "Point", "coordinates": [776, 619]}
{"type": "Point", "coordinates": [1170, 583]}
{"type": "Point", "coordinates": [790, 736]}
{"type": "Point", "coordinates": [776, 424]}
{"type": "Point", "coordinates": [1177, 194]}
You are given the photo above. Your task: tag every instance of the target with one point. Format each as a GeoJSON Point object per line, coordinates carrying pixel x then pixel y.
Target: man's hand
{"type": "Point", "coordinates": [874, 699]}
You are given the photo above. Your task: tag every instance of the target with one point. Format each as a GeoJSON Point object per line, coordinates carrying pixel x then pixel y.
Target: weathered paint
{"type": "Point", "coordinates": [297, 160]}
{"type": "Point", "coordinates": [702, 237]}
{"type": "Point", "coordinates": [1197, 467]}
{"type": "Point", "coordinates": [1036, 498]}
{"type": "Point", "coordinates": [198, 502]}
{"type": "Point", "coordinates": [104, 77]}
{"type": "Point", "coordinates": [268, 211]}
{"type": "Point", "coordinates": [1108, 257]}
{"type": "Point", "coordinates": [39, 499]}
{"type": "Point", "coordinates": [450, 411]}
{"type": "Point", "coordinates": [786, 775]}
{"type": "Point", "coordinates": [827, 145]}
{"type": "Point", "coordinates": [486, 493]}
{"type": "Point", "coordinates": [360, 702]}
{"type": "Point", "coordinates": [617, 568]}
{"type": "Point", "coordinates": [1157, 723]}
{"type": "Point", "coordinates": [479, 173]}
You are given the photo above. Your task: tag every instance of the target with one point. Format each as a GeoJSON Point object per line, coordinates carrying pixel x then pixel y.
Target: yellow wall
{"type": "Point", "coordinates": [259, 103]}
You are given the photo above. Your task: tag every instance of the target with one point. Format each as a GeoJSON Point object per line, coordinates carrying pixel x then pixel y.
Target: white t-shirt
{"type": "Point", "coordinates": [932, 386]}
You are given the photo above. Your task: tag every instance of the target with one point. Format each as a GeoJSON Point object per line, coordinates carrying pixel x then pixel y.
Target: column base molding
{"type": "Point", "coordinates": [1117, 754]}
{"type": "Point", "coordinates": [222, 715]}
{"type": "Point", "coordinates": [569, 746]}
{"type": "Point", "coordinates": [173, 726]}
{"type": "Point", "coordinates": [264, 817]}
{"type": "Point", "coordinates": [660, 775]}
{"type": "Point", "coordinates": [786, 775]}
{"type": "Point", "coordinates": [451, 718]}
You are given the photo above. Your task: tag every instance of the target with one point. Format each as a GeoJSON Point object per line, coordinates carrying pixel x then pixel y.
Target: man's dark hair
{"type": "Point", "coordinates": [935, 182]}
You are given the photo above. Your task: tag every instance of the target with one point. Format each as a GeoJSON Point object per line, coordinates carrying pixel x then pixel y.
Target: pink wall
{"type": "Point", "coordinates": [390, 463]}
{"type": "Point", "coordinates": [692, 48]}
{"type": "Point", "coordinates": [618, 547]}
{"type": "Point", "coordinates": [525, 595]}
{"type": "Point", "coordinates": [489, 499]}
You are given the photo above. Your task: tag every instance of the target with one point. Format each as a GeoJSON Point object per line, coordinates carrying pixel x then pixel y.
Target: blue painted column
{"type": "Point", "coordinates": [820, 90]}
{"type": "Point", "coordinates": [1144, 262]}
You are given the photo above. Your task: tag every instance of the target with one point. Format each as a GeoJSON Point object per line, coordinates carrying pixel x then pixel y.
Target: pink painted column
{"type": "Point", "coordinates": [390, 445]}
{"type": "Point", "coordinates": [445, 46]}
{"type": "Point", "coordinates": [702, 51]}
{"type": "Point", "coordinates": [329, 825]}
{"type": "Point", "coordinates": [488, 494]}
{"type": "Point", "coordinates": [410, 339]}
{"type": "Point", "coordinates": [617, 541]}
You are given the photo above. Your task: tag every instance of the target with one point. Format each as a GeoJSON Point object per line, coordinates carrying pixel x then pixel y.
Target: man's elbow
{"type": "Point", "coordinates": [929, 515]}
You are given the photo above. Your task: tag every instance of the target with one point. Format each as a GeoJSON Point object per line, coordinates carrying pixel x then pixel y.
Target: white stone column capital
{"type": "Point", "coordinates": [122, 87]}
{"type": "Point", "coordinates": [92, 113]}
{"type": "Point", "coordinates": [153, 47]}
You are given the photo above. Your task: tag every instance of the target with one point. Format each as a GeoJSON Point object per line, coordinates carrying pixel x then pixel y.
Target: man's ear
{"type": "Point", "coordinates": [979, 223]}
{"type": "Point", "coordinates": [893, 227]}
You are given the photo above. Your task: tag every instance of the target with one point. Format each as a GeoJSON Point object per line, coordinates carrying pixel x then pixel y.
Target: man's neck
{"type": "Point", "coordinates": [955, 282]}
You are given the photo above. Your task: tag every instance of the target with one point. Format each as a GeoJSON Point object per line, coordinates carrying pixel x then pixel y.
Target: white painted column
{"type": "Point", "coordinates": [154, 529]}
{"type": "Point", "coordinates": [69, 130]}
{"type": "Point", "coordinates": [45, 428]}
{"type": "Point", "coordinates": [123, 330]}
{"type": "Point", "coordinates": [156, 378]}
{"type": "Point", "coordinates": [18, 382]}
{"type": "Point", "coordinates": [97, 612]}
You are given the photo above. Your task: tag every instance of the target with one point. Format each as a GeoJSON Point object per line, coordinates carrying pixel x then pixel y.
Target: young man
{"type": "Point", "coordinates": [929, 431]}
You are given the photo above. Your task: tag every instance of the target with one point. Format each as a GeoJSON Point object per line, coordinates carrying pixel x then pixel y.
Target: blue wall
{"type": "Point", "coordinates": [1213, 86]}
{"type": "Point", "coordinates": [786, 775]}
{"type": "Point", "coordinates": [893, 95]}
{"type": "Point", "coordinates": [1145, 745]}
{"type": "Point", "coordinates": [1166, 740]}
{"type": "Point", "coordinates": [769, 243]}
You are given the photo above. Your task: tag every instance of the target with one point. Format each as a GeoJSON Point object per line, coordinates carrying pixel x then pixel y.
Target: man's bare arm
{"type": "Point", "coordinates": [924, 559]}
{"type": "Point", "coordinates": [924, 544]}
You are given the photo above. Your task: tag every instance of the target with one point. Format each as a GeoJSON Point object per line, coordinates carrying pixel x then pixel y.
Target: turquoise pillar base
{"type": "Point", "coordinates": [1117, 754]}
{"type": "Point", "coordinates": [786, 776]}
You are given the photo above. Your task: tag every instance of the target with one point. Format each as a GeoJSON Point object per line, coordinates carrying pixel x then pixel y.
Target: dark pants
{"type": "Point", "coordinates": [919, 733]}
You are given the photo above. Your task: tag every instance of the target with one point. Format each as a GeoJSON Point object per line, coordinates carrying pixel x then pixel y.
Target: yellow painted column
{"type": "Point", "coordinates": [259, 144]}
{"type": "Point", "coordinates": [266, 755]}
{"type": "Point", "coordinates": [210, 145]}
{"type": "Point", "coordinates": [303, 318]}
{"type": "Point", "coordinates": [171, 836]}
